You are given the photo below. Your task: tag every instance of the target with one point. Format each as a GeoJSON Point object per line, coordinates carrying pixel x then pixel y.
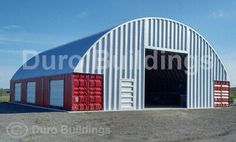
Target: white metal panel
{"type": "Point", "coordinates": [18, 92]}
{"type": "Point", "coordinates": [202, 73]}
{"type": "Point", "coordinates": [136, 57]}
{"type": "Point", "coordinates": [126, 54]}
{"type": "Point", "coordinates": [57, 93]}
{"type": "Point", "coordinates": [160, 33]}
{"type": "Point", "coordinates": [168, 34]}
{"type": "Point", "coordinates": [31, 89]}
{"type": "Point", "coordinates": [110, 51]}
{"type": "Point", "coordinates": [198, 73]}
{"type": "Point", "coordinates": [164, 33]}
{"type": "Point", "coordinates": [172, 35]}
{"type": "Point", "coordinates": [188, 36]}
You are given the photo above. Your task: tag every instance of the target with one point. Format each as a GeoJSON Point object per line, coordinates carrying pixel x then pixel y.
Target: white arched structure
{"type": "Point", "coordinates": [126, 45]}
{"type": "Point", "coordinates": [119, 54]}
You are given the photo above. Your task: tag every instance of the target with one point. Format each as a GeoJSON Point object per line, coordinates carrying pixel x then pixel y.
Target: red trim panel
{"type": "Point", "coordinates": [12, 91]}
{"type": "Point", "coordinates": [87, 92]}
{"type": "Point", "coordinates": [221, 93]}
{"type": "Point", "coordinates": [42, 90]}
{"type": "Point", "coordinates": [23, 92]}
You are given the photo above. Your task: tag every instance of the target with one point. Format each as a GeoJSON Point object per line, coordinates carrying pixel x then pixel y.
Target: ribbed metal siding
{"type": "Point", "coordinates": [124, 59]}
{"type": "Point", "coordinates": [205, 67]}
{"type": "Point", "coordinates": [125, 46]}
{"type": "Point", "coordinates": [166, 34]}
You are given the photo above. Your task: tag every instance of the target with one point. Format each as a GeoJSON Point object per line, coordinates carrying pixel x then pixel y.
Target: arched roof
{"type": "Point", "coordinates": [80, 47]}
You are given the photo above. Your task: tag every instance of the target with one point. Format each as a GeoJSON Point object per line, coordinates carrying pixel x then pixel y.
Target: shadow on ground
{"type": "Point", "coordinates": [8, 108]}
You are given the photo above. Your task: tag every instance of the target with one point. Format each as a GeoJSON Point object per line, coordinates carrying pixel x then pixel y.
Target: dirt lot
{"type": "Point", "coordinates": [212, 125]}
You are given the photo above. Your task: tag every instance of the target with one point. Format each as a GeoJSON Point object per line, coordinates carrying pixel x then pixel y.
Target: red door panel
{"type": "Point", "coordinates": [88, 90]}
{"type": "Point", "coordinates": [221, 93]}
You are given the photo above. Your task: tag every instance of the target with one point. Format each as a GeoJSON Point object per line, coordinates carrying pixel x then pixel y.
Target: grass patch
{"type": "Point", "coordinates": [4, 95]}
{"type": "Point", "coordinates": [232, 95]}
{"type": "Point", "coordinates": [4, 98]}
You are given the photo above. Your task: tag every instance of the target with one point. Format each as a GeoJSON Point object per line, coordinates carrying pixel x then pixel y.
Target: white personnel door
{"type": "Point", "coordinates": [57, 93]}
{"type": "Point", "coordinates": [31, 87]}
{"type": "Point", "coordinates": [18, 92]}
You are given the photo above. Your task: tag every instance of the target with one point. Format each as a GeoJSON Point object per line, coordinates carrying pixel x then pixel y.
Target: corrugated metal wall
{"type": "Point", "coordinates": [205, 67]}
{"type": "Point", "coordinates": [124, 59]}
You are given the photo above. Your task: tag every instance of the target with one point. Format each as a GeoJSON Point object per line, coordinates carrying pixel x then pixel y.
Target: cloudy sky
{"type": "Point", "coordinates": [44, 24]}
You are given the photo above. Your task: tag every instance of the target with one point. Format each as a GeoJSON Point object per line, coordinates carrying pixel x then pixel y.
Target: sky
{"type": "Point", "coordinates": [44, 24]}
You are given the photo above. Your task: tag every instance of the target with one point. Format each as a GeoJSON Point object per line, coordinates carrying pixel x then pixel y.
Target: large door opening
{"type": "Point", "coordinates": [165, 79]}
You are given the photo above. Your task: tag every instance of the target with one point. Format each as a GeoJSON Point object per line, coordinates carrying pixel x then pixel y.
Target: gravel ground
{"type": "Point", "coordinates": [209, 125]}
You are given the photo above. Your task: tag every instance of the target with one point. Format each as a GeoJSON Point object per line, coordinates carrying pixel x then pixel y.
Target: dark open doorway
{"type": "Point", "coordinates": [165, 79]}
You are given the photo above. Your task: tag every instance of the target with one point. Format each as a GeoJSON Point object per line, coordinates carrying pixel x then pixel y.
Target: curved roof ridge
{"type": "Point", "coordinates": [77, 47]}
{"type": "Point", "coordinates": [81, 47]}
{"type": "Point", "coordinates": [168, 19]}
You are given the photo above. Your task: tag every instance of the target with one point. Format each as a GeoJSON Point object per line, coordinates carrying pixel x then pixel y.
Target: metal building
{"type": "Point", "coordinates": [111, 73]}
